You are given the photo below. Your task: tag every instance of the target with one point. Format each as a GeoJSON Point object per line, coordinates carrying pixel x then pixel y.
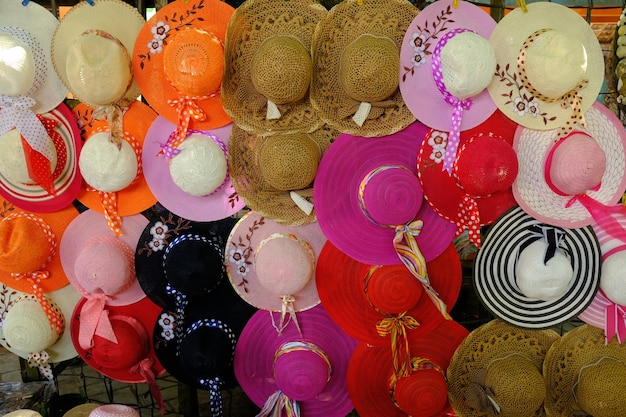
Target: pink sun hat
{"type": "Point", "coordinates": [374, 192]}
{"type": "Point", "coordinates": [446, 63]}
{"type": "Point", "coordinates": [220, 203]}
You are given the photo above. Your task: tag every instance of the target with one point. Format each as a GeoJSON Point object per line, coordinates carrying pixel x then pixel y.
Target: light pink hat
{"type": "Point", "coordinates": [114, 410]}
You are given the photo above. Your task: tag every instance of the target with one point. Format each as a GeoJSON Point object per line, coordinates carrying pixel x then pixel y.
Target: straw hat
{"type": "Point", "coordinates": [446, 64]}
{"type": "Point", "coordinates": [551, 184]}
{"type": "Point", "coordinates": [40, 24]}
{"type": "Point", "coordinates": [375, 391]}
{"type": "Point", "coordinates": [269, 69]}
{"type": "Point", "coordinates": [178, 62]}
{"type": "Point", "coordinates": [114, 410]}
{"type": "Point", "coordinates": [548, 57]}
{"type": "Point", "coordinates": [16, 184]}
{"type": "Point", "coordinates": [268, 171]}
{"type": "Point", "coordinates": [356, 62]}
{"type": "Point", "coordinates": [499, 367]}
{"type": "Point", "coordinates": [81, 410]}
{"type": "Point", "coordinates": [305, 371]}
{"type": "Point", "coordinates": [23, 413]}
{"type": "Point", "coordinates": [534, 275]}
{"type": "Point", "coordinates": [478, 189]}
{"type": "Point", "coordinates": [584, 375]}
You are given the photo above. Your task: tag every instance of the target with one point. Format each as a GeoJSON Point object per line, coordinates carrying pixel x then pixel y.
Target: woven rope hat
{"type": "Point", "coordinates": [535, 275]}
{"type": "Point", "coordinates": [550, 66]}
{"type": "Point", "coordinates": [268, 69]}
{"type": "Point", "coordinates": [274, 175]}
{"type": "Point", "coordinates": [584, 375]}
{"type": "Point", "coordinates": [499, 367]}
{"type": "Point", "coordinates": [356, 62]}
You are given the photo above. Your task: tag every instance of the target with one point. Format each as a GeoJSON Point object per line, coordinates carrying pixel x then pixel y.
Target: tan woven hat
{"type": "Point", "coordinates": [274, 175]}
{"type": "Point", "coordinates": [497, 370]}
{"type": "Point", "coordinates": [356, 63]}
{"type": "Point", "coordinates": [268, 69]}
{"type": "Point", "coordinates": [585, 375]}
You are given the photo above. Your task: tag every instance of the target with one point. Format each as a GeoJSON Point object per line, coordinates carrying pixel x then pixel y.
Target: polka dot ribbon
{"type": "Point", "coordinates": [144, 368]}
{"type": "Point", "coordinates": [572, 99]}
{"type": "Point", "coordinates": [405, 244]}
{"type": "Point", "coordinates": [417, 364]}
{"type": "Point", "coordinates": [458, 104]}
{"type": "Point", "coordinates": [40, 361]}
{"type": "Point", "coordinates": [181, 304]}
{"type": "Point", "coordinates": [94, 319]}
{"type": "Point", "coordinates": [187, 109]}
{"type": "Point", "coordinates": [34, 277]}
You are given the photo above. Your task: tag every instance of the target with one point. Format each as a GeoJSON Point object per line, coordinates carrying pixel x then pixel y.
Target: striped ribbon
{"type": "Point", "coordinates": [397, 327]}
{"type": "Point", "coordinates": [417, 364]}
{"type": "Point", "coordinates": [279, 405]}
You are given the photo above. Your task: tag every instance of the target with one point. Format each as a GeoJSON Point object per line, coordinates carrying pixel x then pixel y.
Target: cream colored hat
{"type": "Point", "coordinates": [81, 410]}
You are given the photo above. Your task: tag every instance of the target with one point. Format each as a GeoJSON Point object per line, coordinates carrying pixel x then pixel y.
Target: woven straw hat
{"type": "Point", "coordinates": [499, 366]}
{"type": "Point", "coordinates": [268, 69]}
{"type": "Point", "coordinates": [81, 410]}
{"type": "Point", "coordinates": [547, 56]}
{"type": "Point", "coordinates": [356, 62]}
{"type": "Point", "coordinates": [268, 171]}
{"type": "Point", "coordinates": [584, 375]}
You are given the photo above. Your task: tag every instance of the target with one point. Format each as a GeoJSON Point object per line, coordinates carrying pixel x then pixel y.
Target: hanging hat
{"type": "Point", "coordinates": [37, 327]}
{"type": "Point", "coordinates": [40, 24]}
{"type": "Point", "coordinates": [363, 298]}
{"type": "Point", "coordinates": [374, 191]}
{"type": "Point", "coordinates": [273, 266]}
{"type": "Point", "coordinates": [375, 390]}
{"type": "Point", "coordinates": [16, 171]}
{"type": "Point", "coordinates": [446, 63]}
{"type": "Point", "coordinates": [550, 66]}
{"type": "Point", "coordinates": [534, 275]}
{"type": "Point", "coordinates": [178, 64]}
{"type": "Point", "coordinates": [356, 62]}
{"type": "Point", "coordinates": [294, 371]}
{"type": "Point", "coordinates": [274, 175]}
{"type": "Point", "coordinates": [497, 370]}
{"type": "Point", "coordinates": [196, 183]}
{"type": "Point", "coordinates": [576, 180]}
{"type": "Point", "coordinates": [584, 375]}
{"type": "Point", "coordinates": [114, 184]}
{"type": "Point", "coordinates": [114, 410]}
{"type": "Point", "coordinates": [478, 190]}
{"type": "Point", "coordinates": [29, 248]}
{"type": "Point", "coordinates": [269, 67]}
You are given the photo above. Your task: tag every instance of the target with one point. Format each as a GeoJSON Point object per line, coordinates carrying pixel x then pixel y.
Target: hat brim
{"type": "Point", "coordinates": [65, 299]}
{"type": "Point", "coordinates": [90, 224]}
{"type": "Point", "coordinates": [507, 39]}
{"type": "Point", "coordinates": [254, 360]}
{"type": "Point", "coordinates": [531, 190]}
{"type": "Point", "coordinates": [245, 237]}
{"type": "Point", "coordinates": [67, 184]}
{"type": "Point", "coordinates": [338, 211]}
{"type": "Point", "coordinates": [370, 367]}
{"type": "Point", "coordinates": [222, 203]}
{"type": "Point", "coordinates": [138, 196]}
{"type": "Point", "coordinates": [495, 273]}
{"type": "Point", "coordinates": [340, 283]}
{"type": "Point", "coordinates": [417, 84]}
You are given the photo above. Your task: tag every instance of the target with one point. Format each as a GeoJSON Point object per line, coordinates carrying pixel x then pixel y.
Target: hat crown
{"type": "Point", "coordinates": [393, 289]}
{"type": "Point", "coordinates": [289, 162]}
{"type": "Point", "coordinates": [539, 279]}
{"type": "Point", "coordinates": [301, 372]}
{"type": "Point", "coordinates": [422, 393]}
{"type": "Point", "coordinates": [104, 166]}
{"type": "Point", "coordinates": [207, 352]}
{"type": "Point", "coordinates": [597, 387]}
{"type": "Point", "coordinates": [132, 344]}
{"type": "Point", "coordinates": [612, 279]}
{"type": "Point", "coordinates": [12, 159]}
{"type": "Point", "coordinates": [17, 66]}
{"type": "Point", "coordinates": [26, 327]}
{"type": "Point", "coordinates": [114, 410]}
{"type": "Point", "coordinates": [24, 244]}
{"type": "Point", "coordinates": [103, 268]}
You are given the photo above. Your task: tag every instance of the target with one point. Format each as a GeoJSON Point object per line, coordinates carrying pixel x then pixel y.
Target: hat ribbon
{"type": "Point", "coordinates": [615, 322]}
{"type": "Point", "coordinates": [469, 217]}
{"type": "Point", "coordinates": [144, 368]}
{"type": "Point", "coordinates": [94, 319]}
{"type": "Point", "coordinates": [552, 236]}
{"type": "Point", "coordinates": [286, 308]}
{"type": "Point", "coordinates": [34, 278]}
{"type": "Point", "coordinates": [362, 111]}
{"type": "Point", "coordinates": [109, 206]}
{"type": "Point", "coordinates": [279, 405]}
{"type": "Point", "coordinates": [397, 327]}
{"type": "Point", "coordinates": [187, 108]}
{"type": "Point", "coordinates": [40, 360]}
{"type": "Point", "coordinates": [181, 304]}
{"type": "Point", "coordinates": [458, 104]}
{"type": "Point", "coordinates": [114, 115]}
{"type": "Point", "coordinates": [481, 396]}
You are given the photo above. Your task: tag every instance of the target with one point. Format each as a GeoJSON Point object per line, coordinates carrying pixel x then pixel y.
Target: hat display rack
{"type": "Point", "coordinates": [303, 208]}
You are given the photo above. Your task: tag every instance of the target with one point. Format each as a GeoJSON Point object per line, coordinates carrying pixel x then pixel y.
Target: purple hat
{"type": "Point", "coordinates": [307, 371]}
{"type": "Point", "coordinates": [374, 192]}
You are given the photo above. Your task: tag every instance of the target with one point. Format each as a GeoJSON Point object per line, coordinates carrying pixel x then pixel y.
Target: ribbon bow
{"type": "Point", "coordinates": [34, 279]}
{"type": "Point", "coordinates": [94, 319]}
{"type": "Point", "coordinates": [187, 108]}
{"type": "Point", "coordinates": [552, 236]}
{"type": "Point", "coordinates": [397, 327]}
{"type": "Point", "coordinates": [286, 308]}
{"type": "Point", "coordinates": [40, 360]}
{"type": "Point", "coordinates": [114, 115]}
{"type": "Point", "coordinates": [215, 395]}
{"type": "Point", "coordinates": [469, 218]}
{"type": "Point", "coordinates": [601, 213]}
{"type": "Point", "coordinates": [615, 322]}
{"type": "Point", "coordinates": [144, 368]}
{"type": "Point", "coordinates": [279, 405]}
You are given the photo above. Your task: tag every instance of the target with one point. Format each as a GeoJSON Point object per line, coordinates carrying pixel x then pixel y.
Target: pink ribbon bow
{"type": "Point", "coordinates": [615, 322]}
{"type": "Point", "coordinates": [94, 320]}
{"type": "Point", "coordinates": [144, 368]}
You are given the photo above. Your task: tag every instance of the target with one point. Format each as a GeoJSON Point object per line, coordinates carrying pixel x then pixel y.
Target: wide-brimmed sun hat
{"type": "Point", "coordinates": [272, 266]}
{"type": "Point", "coordinates": [535, 275]}
{"type": "Point", "coordinates": [305, 371]}
{"type": "Point", "coordinates": [550, 66]}
{"type": "Point", "coordinates": [584, 374]}
{"type": "Point", "coordinates": [274, 175]}
{"type": "Point", "coordinates": [376, 391]}
{"type": "Point", "coordinates": [446, 63]}
{"type": "Point", "coordinates": [497, 370]}
{"type": "Point", "coordinates": [478, 189]}
{"type": "Point", "coordinates": [356, 62]}
{"type": "Point", "coordinates": [268, 66]}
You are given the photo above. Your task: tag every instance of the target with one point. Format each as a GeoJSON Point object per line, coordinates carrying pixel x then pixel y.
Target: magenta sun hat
{"type": "Point", "coordinates": [306, 371]}
{"type": "Point", "coordinates": [446, 63]}
{"type": "Point", "coordinates": [220, 203]}
{"type": "Point", "coordinates": [372, 192]}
